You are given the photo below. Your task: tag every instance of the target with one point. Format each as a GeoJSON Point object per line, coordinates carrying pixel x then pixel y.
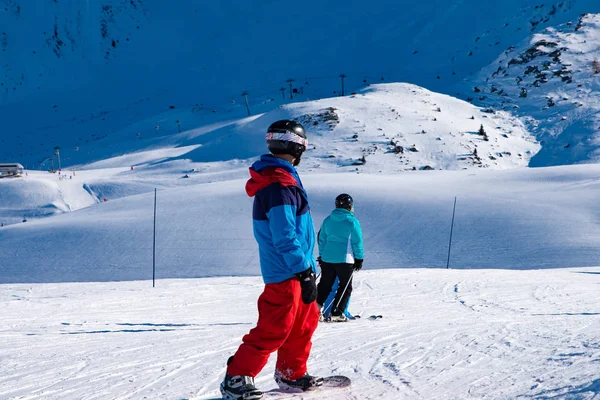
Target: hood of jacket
{"type": "Point", "coordinates": [268, 170]}
{"type": "Point", "coordinates": [340, 214]}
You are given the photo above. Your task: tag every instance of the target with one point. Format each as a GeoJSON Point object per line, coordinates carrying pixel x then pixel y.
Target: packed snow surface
{"type": "Point", "coordinates": [445, 334]}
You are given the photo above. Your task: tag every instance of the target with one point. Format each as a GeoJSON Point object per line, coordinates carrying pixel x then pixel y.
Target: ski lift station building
{"type": "Point", "coordinates": [14, 169]}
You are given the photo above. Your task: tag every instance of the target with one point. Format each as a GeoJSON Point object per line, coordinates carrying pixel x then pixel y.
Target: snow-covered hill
{"type": "Point", "coordinates": [96, 74]}
{"type": "Point", "coordinates": [397, 127]}
{"type": "Point", "coordinates": [388, 127]}
{"type": "Point", "coordinates": [515, 219]}
{"type": "Point", "coordinates": [553, 82]}
{"type": "Point", "coordinates": [23, 199]}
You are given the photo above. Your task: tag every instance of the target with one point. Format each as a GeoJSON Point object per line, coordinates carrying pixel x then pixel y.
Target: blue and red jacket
{"type": "Point", "coordinates": [283, 225]}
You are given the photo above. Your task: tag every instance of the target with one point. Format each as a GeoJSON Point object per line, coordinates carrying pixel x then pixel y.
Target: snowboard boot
{"type": "Point", "coordinates": [338, 318]}
{"type": "Point", "coordinates": [239, 387]}
{"type": "Point", "coordinates": [303, 384]}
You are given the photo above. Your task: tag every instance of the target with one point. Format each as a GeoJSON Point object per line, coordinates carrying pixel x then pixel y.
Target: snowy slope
{"type": "Point", "coordinates": [36, 196]}
{"type": "Point", "coordinates": [445, 334]}
{"type": "Point", "coordinates": [95, 74]}
{"type": "Point", "coordinates": [552, 81]}
{"type": "Point", "coordinates": [520, 322]}
{"type": "Point", "coordinates": [492, 333]}
{"type": "Point", "coordinates": [516, 219]}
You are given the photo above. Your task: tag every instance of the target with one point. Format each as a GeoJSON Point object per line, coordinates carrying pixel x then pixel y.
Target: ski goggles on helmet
{"type": "Point", "coordinates": [287, 137]}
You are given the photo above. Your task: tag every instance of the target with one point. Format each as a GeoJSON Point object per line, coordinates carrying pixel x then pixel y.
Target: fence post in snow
{"type": "Point", "coordinates": [154, 245]}
{"type": "Point", "coordinates": [451, 230]}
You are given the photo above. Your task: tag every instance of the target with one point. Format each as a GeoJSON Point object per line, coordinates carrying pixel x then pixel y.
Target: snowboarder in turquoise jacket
{"type": "Point", "coordinates": [341, 253]}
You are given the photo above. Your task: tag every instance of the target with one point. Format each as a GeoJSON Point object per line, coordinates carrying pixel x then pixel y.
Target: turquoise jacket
{"type": "Point", "coordinates": [340, 238]}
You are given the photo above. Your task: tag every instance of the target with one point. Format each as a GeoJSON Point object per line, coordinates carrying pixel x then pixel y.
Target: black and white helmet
{"type": "Point", "coordinates": [344, 201]}
{"type": "Point", "coordinates": [287, 137]}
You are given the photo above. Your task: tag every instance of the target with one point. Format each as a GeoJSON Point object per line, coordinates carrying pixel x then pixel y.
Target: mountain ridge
{"type": "Point", "coordinates": [89, 96]}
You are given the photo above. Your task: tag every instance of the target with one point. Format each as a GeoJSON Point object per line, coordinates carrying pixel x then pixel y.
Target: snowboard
{"type": "Point", "coordinates": [333, 382]}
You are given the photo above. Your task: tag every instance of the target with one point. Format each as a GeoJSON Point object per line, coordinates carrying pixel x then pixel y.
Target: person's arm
{"type": "Point", "coordinates": [322, 238]}
{"type": "Point", "coordinates": [282, 223]}
{"type": "Point", "coordinates": [357, 241]}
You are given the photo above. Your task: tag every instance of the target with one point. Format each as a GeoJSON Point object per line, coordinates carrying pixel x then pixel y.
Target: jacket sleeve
{"type": "Point", "coordinates": [322, 239]}
{"type": "Point", "coordinates": [282, 223]}
{"type": "Point", "coordinates": [357, 240]}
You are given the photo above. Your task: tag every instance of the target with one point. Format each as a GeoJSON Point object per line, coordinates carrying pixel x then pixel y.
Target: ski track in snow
{"type": "Point", "coordinates": [445, 334]}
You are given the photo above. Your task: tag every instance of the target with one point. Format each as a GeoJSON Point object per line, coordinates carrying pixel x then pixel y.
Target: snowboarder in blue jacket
{"type": "Point", "coordinates": [287, 312]}
{"type": "Point", "coordinates": [341, 253]}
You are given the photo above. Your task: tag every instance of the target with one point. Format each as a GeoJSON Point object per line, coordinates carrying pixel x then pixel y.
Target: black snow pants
{"type": "Point", "coordinates": [329, 271]}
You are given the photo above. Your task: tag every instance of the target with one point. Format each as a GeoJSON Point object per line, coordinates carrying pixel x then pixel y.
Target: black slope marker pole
{"type": "Point", "coordinates": [154, 245]}
{"type": "Point", "coordinates": [451, 230]}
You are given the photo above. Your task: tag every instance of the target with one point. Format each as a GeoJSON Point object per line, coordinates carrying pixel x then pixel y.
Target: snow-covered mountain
{"type": "Point", "coordinates": [78, 75]}
{"type": "Point", "coordinates": [384, 129]}
{"type": "Point", "coordinates": [387, 127]}
{"type": "Point", "coordinates": [397, 127]}
{"type": "Point", "coordinates": [552, 81]}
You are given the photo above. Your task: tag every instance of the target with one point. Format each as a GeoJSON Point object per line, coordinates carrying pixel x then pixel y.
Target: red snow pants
{"type": "Point", "coordinates": [286, 325]}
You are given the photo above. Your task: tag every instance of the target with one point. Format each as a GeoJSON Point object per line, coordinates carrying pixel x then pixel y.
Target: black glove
{"type": "Point", "coordinates": [357, 264]}
{"type": "Point", "coordinates": [308, 284]}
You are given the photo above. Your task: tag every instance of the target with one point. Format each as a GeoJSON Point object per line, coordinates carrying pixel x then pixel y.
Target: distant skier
{"type": "Point", "coordinates": [287, 312]}
{"type": "Point", "coordinates": [341, 253]}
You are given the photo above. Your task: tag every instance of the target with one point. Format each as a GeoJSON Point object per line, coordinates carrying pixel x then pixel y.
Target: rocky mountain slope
{"type": "Point", "coordinates": [552, 81]}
